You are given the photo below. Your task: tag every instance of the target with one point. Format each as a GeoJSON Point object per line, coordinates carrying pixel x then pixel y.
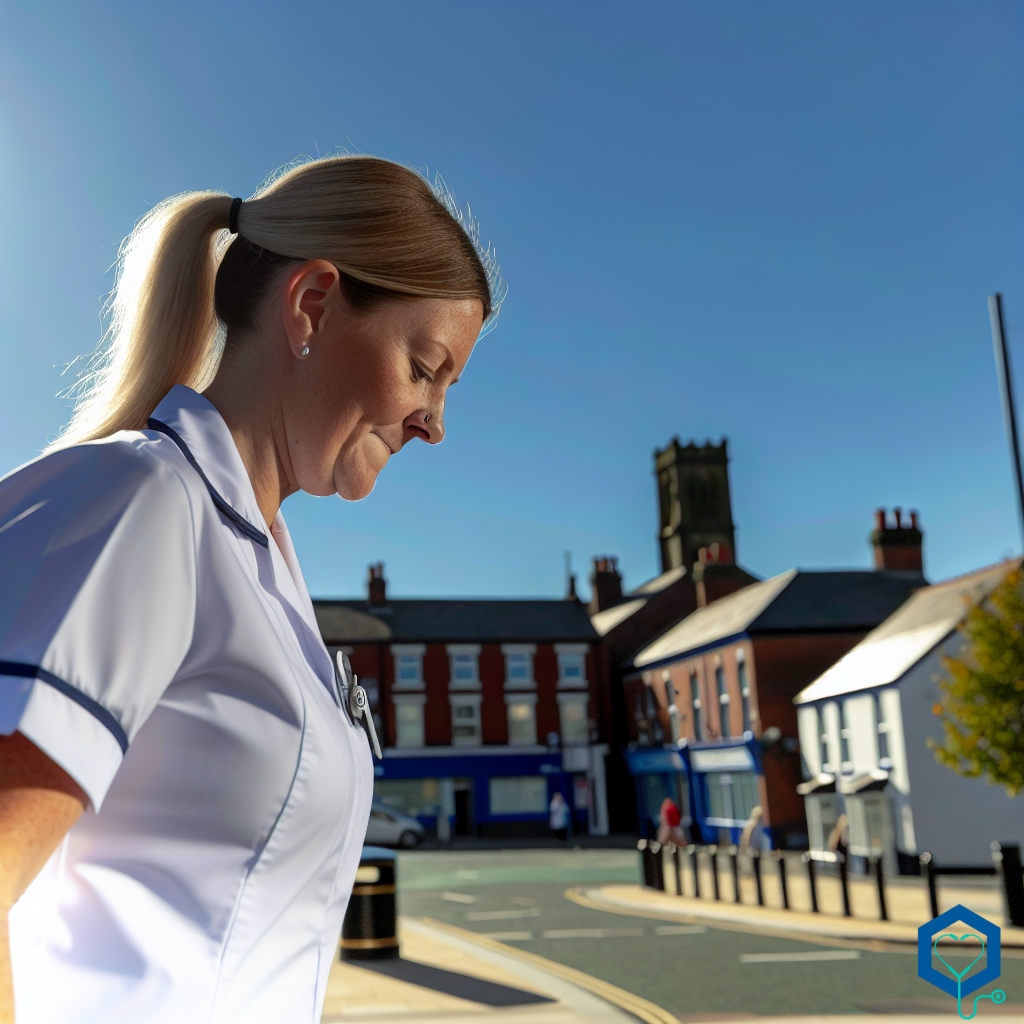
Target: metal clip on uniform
{"type": "Point", "coordinates": [358, 705]}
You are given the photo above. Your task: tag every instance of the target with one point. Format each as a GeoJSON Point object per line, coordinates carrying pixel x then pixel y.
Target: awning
{"type": "Point", "coordinates": [654, 761]}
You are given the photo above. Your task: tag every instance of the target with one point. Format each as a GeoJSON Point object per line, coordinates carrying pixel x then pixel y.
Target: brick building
{"type": "Point", "coordinates": [719, 687]}
{"type": "Point", "coordinates": [485, 708]}
{"type": "Point", "coordinates": [697, 542]}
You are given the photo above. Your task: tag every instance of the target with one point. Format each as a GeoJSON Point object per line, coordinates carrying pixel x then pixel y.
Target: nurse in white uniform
{"type": "Point", "coordinates": [184, 789]}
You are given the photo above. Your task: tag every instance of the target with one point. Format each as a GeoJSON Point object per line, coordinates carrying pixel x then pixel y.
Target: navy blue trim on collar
{"type": "Point", "coordinates": [243, 524]}
{"type": "Point", "coordinates": [97, 710]}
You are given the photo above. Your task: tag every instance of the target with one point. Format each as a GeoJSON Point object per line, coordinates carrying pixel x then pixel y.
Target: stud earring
{"type": "Point", "coordinates": [304, 351]}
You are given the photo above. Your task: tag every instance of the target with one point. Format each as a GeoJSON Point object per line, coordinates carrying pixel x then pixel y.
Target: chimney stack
{"type": "Point", "coordinates": [897, 545]}
{"type": "Point", "coordinates": [376, 585]}
{"type": "Point", "coordinates": [605, 584]}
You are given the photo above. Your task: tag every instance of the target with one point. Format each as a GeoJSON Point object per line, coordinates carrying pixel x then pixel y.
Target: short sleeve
{"type": "Point", "coordinates": [97, 600]}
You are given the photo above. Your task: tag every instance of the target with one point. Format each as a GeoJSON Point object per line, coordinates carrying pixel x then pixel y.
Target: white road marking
{"type": "Point", "coordinates": [467, 874]}
{"type": "Point", "coordinates": [508, 936]}
{"type": "Point", "coordinates": [501, 915]}
{"type": "Point", "coordinates": [680, 929]}
{"type": "Point", "coordinates": [791, 958]}
{"type": "Point", "coordinates": [459, 897]}
{"type": "Point", "coordinates": [592, 933]}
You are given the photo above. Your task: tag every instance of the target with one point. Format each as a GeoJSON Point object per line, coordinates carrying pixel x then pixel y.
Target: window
{"type": "Point", "coordinates": [409, 721]}
{"type": "Point", "coordinates": [884, 760]}
{"type": "Point", "coordinates": [408, 666]}
{"type": "Point", "coordinates": [519, 666]}
{"type": "Point", "coordinates": [466, 730]}
{"type": "Point", "coordinates": [741, 672]}
{"type": "Point", "coordinates": [731, 795]}
{"type": "Point", "coordinates": [844, 741]}
{"type": "Point", "coordinates": [723, 703]}
{"type": "Point", "coordinates": [519, 794]}
{"type": "Point", "coordinates": [573, 715]}
{"type": "Point", "coordinates": [653, 718]}
{"type": "Point", "coordinates": [698, 718]}
{"type": "Point", "coordinates": [522, 719]}
{"type": "Point", "coordinates": [572, 665]}
{"type": "Point", "coordinates": [464, 667]}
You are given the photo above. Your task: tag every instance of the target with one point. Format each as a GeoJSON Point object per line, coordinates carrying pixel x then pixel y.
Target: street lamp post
{"type": "Point", "coordinates": [995, 312]}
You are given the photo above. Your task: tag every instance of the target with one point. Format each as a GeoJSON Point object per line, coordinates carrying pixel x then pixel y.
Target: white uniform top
{"type": "Point", "coordinates": [163, 650]}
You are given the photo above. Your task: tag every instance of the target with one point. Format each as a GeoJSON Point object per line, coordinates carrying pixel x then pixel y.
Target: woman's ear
{"type": "Point", "coordinates": [313, 290]}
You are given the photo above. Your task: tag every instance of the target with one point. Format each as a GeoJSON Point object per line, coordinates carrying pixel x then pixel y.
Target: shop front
{"type": "Point", "coordinates": [658, 772]}
{"type": "Point", "coordinates": [727, 783]}
{"type": "Point", "coordinates": [485, 791]}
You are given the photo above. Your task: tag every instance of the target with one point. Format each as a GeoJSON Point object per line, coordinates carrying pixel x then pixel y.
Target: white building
{"type": "Point", "coordinates": [864, 730]}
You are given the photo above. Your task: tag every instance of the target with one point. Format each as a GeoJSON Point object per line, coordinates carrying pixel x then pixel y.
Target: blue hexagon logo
{"type": "Point", "coordinates": [957, 983]}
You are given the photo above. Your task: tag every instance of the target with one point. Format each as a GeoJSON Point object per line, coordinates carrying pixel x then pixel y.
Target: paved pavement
{"type": "Point", "coordinates": [698, 970]}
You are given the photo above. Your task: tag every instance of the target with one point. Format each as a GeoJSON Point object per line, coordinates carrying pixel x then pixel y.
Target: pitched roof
{"type": "Point", "coordinates": [453, 621]}
{"type": "Point", "coordinates": [910, 633]}
{"type": "Point", "coordinates": [796, 601]}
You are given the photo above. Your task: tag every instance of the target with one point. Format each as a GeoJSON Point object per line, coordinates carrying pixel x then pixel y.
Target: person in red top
{"type": "Point", "coordinates": [670, 824]}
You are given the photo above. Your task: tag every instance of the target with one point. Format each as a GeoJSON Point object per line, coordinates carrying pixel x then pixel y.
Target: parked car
{"type": "Point", "coordinates": [389, 827]}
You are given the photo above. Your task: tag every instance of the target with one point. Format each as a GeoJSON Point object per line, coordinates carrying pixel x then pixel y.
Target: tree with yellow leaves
{"type": "Point", "coordinates": [982, 706]}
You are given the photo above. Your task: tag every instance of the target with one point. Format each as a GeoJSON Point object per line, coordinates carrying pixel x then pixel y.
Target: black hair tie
{"type": "Point", "coordinates": [236, 205]}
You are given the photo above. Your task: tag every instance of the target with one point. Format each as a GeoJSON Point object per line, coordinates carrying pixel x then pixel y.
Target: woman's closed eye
{"type": "Point", "coordinates": [419, 372]}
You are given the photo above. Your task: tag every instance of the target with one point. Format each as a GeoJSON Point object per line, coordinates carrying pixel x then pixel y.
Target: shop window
{"type": "Point", "coordinates": [575, 727]}
{"type": "Point", "coordinates": [723, 703]}
{"type": "Point", "coordinates": [408, 723]}
{"type": "Point", "coordinates": [732, 795]}
{"type": "Point", "coordinates": [518, 794]}
{"type": "Point", "coordinates": [522, 721]}
{"type": "Point", "coordinates": [419, 798]}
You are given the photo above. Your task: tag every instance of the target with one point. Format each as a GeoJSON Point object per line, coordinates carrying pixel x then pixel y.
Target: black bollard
{"type": "Point", "coordinates": [1006, 857]}
{"type": "Point", "coordinates": [677, 864]}
{"type": "Point", "coordinates": [646, 863]}
{"type": "Point", "coordinates": [734, 857]}
{"type": "Point", "coordinates": [713, 851]}
{"type": "Point", "coordinates": [813, 881]}
{"type": "Point", "coordinates": [658, 865]}
{"type": "Point", "coordinates": [845, 882]}
{"type": "Point", "coordinates": [692, 851]}
{"type": "Point", "coordinates": [784, 889]}
{"type": "Point", "coordinates": [883, 914]}
{"type": "Point", "coordinates": [929, 874]}
{"type": "Point", "coordinates": [370, 931]}
{"type": "Point", "coordinates": [755, 863]}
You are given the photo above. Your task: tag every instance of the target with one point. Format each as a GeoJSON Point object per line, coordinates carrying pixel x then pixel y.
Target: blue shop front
{"type": "Point", "coordinates": [715, 784]}
{"type": "Point", "coordinates": [484, 790]}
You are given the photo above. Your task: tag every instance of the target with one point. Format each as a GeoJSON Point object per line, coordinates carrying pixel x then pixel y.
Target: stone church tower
{"type": "Point", "coordinates": [694, 504]}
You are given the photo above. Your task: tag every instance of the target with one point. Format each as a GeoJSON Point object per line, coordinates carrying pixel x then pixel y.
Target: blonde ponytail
{"type": "Point", "coordinates": [389, 232]}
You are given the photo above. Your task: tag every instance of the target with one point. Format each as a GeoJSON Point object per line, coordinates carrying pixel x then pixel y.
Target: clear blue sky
{"type": "Point", "coordinates": [776, 222]}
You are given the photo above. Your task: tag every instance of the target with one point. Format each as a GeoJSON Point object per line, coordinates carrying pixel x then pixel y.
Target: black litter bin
{"type": "Point", "coordinates": [370, 930]}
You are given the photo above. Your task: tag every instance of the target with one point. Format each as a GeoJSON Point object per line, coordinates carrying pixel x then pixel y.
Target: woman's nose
{"type": "Point", "coordinates": [426, 424]}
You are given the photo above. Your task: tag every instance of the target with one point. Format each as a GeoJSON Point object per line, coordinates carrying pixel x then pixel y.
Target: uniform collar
{"type": "Point", "coordinates": [202, 435]}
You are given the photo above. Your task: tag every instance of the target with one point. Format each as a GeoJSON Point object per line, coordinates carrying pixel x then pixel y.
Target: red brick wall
{"type": "Point", "coordinates": [437, 715]}
{"type": "Point", "coordinates": [785, 665]}
{"type": "Point", "coordinates": [494, 719]}
{"type": "Point", "coordinates": [545, 671]}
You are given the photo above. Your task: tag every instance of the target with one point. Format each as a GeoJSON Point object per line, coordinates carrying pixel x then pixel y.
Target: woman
{"type": "Point", "coordinates": [178, 764]}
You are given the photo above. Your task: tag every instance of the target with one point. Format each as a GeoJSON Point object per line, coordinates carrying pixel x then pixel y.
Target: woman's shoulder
{"type": "Point", "coordinates": [95, 479]}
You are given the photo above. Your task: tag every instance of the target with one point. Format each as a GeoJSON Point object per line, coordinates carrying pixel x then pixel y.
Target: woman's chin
{"type": "Point", "coordinates": [354, 486]}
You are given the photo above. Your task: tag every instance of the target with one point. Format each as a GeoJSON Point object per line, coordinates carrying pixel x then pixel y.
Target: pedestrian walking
{"type": "Point", "coordinates": [670, 828]}
{"type": "Point", "coordinates": [558, 816]}
{"type": "Point", "coordinates": [175, 734]}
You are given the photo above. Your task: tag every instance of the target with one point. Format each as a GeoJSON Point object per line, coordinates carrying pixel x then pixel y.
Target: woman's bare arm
{"type": "Point", "coordinates": [39, 802]}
